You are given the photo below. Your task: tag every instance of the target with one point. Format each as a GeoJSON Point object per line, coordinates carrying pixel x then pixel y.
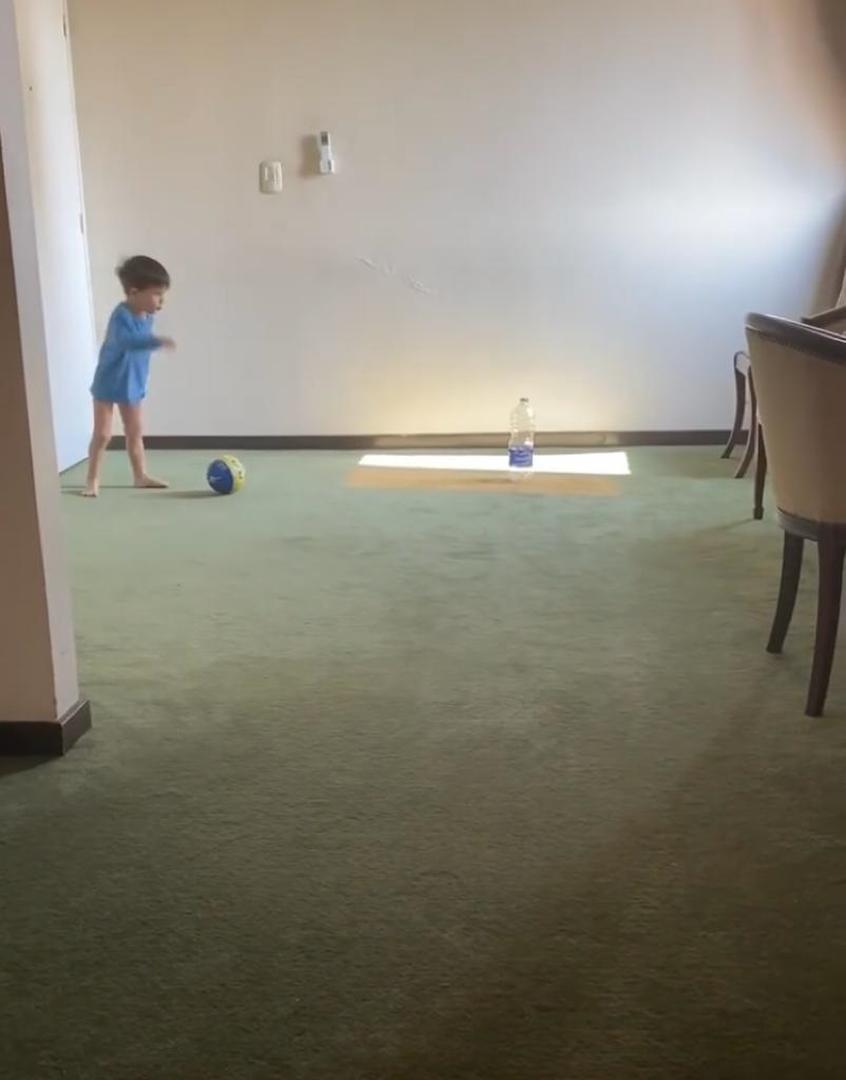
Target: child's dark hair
{"type": "Point", "coordinates": [142, 272]}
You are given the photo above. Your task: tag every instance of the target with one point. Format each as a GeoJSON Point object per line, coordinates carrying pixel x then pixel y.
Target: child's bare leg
{"type": "Point", "coordinates": [133, 429]}
{"type": "Point", "coordinates": [103, 411]}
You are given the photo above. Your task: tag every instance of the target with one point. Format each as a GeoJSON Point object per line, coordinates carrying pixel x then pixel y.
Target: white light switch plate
{"type": "Point", "coordinates": [270, 177]}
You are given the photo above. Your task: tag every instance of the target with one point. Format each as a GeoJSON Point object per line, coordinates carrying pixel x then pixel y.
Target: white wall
{"type": "Point", "coordinates": [53, 148]}
{"type": "Point", "coordinates": [576, 201]}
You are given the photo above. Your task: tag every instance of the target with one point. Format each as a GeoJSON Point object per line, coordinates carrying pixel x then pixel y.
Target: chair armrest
{"type": "Point", "coordinates": [740, 361]}
{"type": "Point", "coordinates": [824, 344]}
{"type": "Point", "coordinates": [826, 319]}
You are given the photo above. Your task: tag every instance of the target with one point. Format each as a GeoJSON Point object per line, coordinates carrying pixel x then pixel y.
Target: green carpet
{"type": "Point", "coordinates": [420, 785]}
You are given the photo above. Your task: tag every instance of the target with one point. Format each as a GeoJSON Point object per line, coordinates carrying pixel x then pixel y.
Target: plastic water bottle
{"type": "Point", "coordinates": [521, 441]}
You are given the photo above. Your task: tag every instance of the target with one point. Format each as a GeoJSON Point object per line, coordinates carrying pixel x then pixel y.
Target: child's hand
{"type": "Point", "coordinates": [167, 343]}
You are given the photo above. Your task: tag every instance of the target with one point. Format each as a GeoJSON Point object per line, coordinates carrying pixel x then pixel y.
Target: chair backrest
{"type": "Point", "coordinates": [800, 381]}
{"type": "Point", "coordinates": [841, 296]}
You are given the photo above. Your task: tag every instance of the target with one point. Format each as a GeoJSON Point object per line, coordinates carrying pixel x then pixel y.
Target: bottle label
{"type": "Point", "coordinates": [520, 457]}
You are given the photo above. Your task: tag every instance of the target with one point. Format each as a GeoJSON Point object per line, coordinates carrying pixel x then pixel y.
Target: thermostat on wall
{"type": "Point", "coordinates": [270, 177]}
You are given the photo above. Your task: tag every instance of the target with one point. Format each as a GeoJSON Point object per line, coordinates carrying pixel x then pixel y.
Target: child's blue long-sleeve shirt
{"type": "Point", "coordinates": [123, 369]}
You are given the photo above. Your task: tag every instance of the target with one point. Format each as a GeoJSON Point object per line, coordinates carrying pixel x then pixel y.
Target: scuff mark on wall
{"type": "Point", "coordinates": [418, 286]}
{"type": "Point", "coordinates": [388, 270]}
{"type": "Point", "coordinates": [379, 267]}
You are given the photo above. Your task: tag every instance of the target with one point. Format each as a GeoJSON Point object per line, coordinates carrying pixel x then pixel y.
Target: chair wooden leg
{"type": "Point", "coordinates": [791, 571]}
{"type": "Point", "coordinates": [739, 408]}
{"type": "Point", "coordinates": [751, 445]}
{"type": "Point", "coordinates": [831, 553]}
{"type": "Point", "coordinates": [760, 476]}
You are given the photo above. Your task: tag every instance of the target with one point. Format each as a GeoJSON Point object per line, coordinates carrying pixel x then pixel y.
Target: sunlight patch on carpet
{"type": "Point", "coordinates": [613, 463]}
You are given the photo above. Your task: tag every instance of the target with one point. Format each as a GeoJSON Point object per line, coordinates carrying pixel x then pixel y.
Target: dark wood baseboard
{"type": "Point", "coordinates": [479, 441]}
{"type": "Point", "coordinates": [45, 738]}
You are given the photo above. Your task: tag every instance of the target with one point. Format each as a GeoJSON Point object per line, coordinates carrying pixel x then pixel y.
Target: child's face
{"type": "Point", "coordinates": [147, 301]}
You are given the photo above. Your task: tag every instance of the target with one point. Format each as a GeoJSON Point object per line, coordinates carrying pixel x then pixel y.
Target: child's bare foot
{"type": "Point", "coordinates": [151, 483]}
{"type": "Point", "coordinates": [91, 490]}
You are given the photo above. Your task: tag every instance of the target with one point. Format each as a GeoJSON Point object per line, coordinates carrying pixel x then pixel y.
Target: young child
{"type": "Point", "coordinates": [124, 368]}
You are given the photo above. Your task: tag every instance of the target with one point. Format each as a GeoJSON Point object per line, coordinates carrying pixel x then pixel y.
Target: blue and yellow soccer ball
{"type": "Point", "coordinates": [226, 475]}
